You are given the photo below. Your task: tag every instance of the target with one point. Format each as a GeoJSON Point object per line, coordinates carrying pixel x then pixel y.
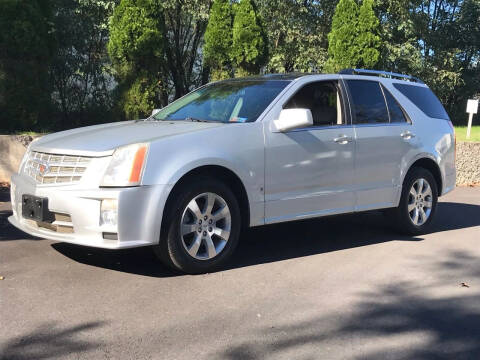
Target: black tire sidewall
{"type": "Point", "coordinates": [405, 223]}
{"type": "Point", "coordinates": [176, 252]}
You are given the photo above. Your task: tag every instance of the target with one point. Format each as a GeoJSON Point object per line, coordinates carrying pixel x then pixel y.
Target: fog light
{"type": "Point", "coordinates": [108, 212]}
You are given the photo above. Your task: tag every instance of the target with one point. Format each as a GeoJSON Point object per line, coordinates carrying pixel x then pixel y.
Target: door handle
{"type": "Point", "coordinates": [343, 139]}
{"type": "Point", "coordinates": [407, 135]}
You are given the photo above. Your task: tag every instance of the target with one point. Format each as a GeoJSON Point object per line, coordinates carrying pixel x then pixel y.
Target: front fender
{"type": "Point", "coordinates": [237, 148]}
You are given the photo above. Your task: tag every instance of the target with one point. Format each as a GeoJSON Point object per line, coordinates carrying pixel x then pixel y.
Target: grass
{"type": "Point", "coordinates": [461, 133]}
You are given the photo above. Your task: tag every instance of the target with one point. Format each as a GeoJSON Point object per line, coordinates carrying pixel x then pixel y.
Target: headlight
{"type": "Point", "coordinates": [26, 155]}
{"type": "Point", "coordinates": [126, 166]}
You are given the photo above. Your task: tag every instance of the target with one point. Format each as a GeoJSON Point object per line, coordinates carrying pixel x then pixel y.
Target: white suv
{"type": "Point", "coordinates": [239, 153]}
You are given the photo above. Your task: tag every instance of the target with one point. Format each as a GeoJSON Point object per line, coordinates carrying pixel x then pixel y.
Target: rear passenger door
{"type": "Point", "coordinates": [383, 140]}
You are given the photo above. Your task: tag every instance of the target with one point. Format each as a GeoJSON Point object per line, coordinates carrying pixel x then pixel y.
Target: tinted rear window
{"type": "Point", "coordinates": [424, 99]}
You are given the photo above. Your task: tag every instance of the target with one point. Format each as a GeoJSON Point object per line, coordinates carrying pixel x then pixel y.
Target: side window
{"type": "Point", "coordinates": [397, 114]}
{"type": "Point", "coordinates": [323, 100]}
{"type": "Point", "coordinates": [368, 102]}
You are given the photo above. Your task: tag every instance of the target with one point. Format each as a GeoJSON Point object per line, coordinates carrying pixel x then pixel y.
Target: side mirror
{"type": "Point", "coordinates": [290, 119]}
{"type": "Point", "coordinates": [154, 111]}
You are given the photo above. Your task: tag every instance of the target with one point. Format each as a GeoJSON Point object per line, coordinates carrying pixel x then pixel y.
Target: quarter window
{"type": "Point", "coordinates": [396, 112]}
{"type": "Point", "coordinates": [323, 100]}
{"type": "Point", "coordinates": [424, 99]}
{"type": "Point", "coordinates": [368, 102]}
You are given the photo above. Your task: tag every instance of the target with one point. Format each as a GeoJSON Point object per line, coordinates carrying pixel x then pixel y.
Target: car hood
{"type": "Point", "coordinates": [102, 140]}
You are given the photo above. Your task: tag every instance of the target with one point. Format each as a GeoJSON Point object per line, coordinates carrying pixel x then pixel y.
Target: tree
{"type": "Point", "coordinates": [80, 71]}
{"type": "Point", "coordinates": [218, 40]}
{"type": "Point", "coordinates": [296, 32]}
{"type": "Point", "coordinates": [436, 40]}
{"type": "Point", "coordinates": [185, 23]}
{"type": "Point", "coordinates": [342, 49]}
{"type": "Point", "coordinates": [249, 49]}
{"type": "Point", "coordinates": [136, 49]}
{"type": "Point", "coordinates": [367, 40]}
{"type": "Point", "coordinates": [26, 49]}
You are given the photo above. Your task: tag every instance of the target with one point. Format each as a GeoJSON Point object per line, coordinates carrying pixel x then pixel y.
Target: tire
{"type": "Point", "coordinates": [199, 239]}
{"type": "Point", "coordinates": [411, 203]}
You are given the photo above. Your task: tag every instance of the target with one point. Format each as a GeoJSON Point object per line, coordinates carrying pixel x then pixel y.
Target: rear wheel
{"type": "Point", "coordinates": [418, 202]}
{"type": "Point", "coordinates": [201, 228]}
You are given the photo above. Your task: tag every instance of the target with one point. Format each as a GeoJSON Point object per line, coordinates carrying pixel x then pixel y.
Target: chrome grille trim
{"type": "Point", "coordinates": [47, 168]}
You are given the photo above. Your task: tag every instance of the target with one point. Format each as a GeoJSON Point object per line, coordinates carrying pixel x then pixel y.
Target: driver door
{"type": "Point", "coordinates": [309, 171]}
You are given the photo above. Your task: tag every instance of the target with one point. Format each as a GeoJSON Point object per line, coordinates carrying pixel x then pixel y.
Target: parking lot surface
{"type": "Point", "coordinates": [345, 287]}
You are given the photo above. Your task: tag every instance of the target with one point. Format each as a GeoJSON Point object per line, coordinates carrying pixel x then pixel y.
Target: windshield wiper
{"type": "Point", "coordinates": [197, 120]}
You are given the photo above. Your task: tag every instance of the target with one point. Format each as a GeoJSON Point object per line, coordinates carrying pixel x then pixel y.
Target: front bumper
{"type": "Point", "coordinates": [140, 211]}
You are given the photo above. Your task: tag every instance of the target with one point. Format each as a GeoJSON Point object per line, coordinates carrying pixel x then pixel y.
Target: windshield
{"type": "Point", "coordinates": [226, 101]}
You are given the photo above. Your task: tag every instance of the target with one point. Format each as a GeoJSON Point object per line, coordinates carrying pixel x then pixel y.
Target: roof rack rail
{"type": "Point", "coordinates": [380, 73]}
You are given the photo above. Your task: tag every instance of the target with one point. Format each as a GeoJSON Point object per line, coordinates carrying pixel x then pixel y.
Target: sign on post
{"type": "Point", "coordinates": [472, 108]}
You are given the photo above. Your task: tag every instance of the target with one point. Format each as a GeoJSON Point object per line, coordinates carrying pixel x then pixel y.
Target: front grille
{"type": "Point", "coordinates": [54, 168]}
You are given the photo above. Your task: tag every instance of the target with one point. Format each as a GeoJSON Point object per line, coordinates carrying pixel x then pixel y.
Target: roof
{"type": "Point", "coordinates": [362, 72]}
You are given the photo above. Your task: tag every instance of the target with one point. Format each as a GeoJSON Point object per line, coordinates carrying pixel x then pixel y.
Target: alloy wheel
{"type": "Point", "coordinates": [205, 226]}
{"type": "Point", "coordinates": [420, 202]}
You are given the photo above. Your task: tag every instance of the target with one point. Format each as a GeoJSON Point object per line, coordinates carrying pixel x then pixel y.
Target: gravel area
{"type": "Point", "coordinates": [25, 140]}
{"type": "Point", "coordinates": [468, 163]}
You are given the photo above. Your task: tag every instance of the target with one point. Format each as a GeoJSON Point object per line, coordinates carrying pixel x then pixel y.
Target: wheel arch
{"type": "Point", "coordinates": [432, 166]}
{"type": "Point", "coordinates": [222, 173]}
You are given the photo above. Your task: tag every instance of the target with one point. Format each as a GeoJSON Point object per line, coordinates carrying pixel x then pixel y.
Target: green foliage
{"type": "Point", "coordinates": [136, 49]}
{"type": "Point", "coordinates": [296, 32]}
{"type": "Point", "coordinates": [367, 41]}
{"type": "Point", "coordinates": [186, 22]}
{"type": "Point", "coordinates": [80, 70]}
{"type": "Point", "coordinates": [55, 71]}
{"type": "Point", "coordinates": [438, 41]}
{"type": "Point", "coordinates": [25, 53]}
{"type": "Point", "coordinates": [249, 49]}
{"type": "Point", "coordinates": [139, 98]}
{"type": "Point", "coordinates": [354, 39]}
{"type": "Point", "coordinates": [218, 40]}
{"type": "Point", "coordinates": [342, 47]}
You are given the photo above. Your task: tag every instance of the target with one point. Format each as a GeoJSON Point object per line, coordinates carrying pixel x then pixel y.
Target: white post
{"type": "Point", "coordinates": [472, 108]}
{"type": "Point", "coordinates": [469, 127]}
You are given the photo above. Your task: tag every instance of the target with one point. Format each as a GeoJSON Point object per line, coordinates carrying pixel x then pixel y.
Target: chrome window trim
{"type": "Point", "coordinates": [346, 126]}
{"type": "Point", "coordinates": [382, 124]}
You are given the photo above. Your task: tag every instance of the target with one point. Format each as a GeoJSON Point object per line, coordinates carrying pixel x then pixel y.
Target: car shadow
{"type": "Point", "coordinates": [9, 232]}
{"type": "Point", "coordinates": [283, 241]}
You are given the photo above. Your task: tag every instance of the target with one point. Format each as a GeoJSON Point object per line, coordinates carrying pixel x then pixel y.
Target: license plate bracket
{"type": "Point", "coordinates": [36, 208]}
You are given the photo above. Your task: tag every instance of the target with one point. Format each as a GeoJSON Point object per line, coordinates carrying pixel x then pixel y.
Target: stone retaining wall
{"type": "Point", "coordinates": [12, 148]}
{"type": "Point", "coordinates": [468, 163]}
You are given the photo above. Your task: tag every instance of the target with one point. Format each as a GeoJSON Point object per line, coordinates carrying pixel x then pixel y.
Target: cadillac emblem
{"type": "Point", "coordinates": [43, 168]}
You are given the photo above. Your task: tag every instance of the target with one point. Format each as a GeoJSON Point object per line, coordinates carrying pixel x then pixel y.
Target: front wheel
{"type": "Point", "coordinates": [202, 227]}
{"type": "Point", "coordinates": [418, 202]}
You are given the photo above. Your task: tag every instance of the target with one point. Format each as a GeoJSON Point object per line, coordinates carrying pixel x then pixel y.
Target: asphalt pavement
{"type": "Point", "coordinates": [345, 287]}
